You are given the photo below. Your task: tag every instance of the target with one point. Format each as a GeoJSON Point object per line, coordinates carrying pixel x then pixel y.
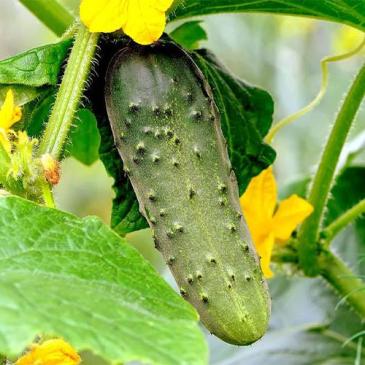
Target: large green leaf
{"type": "Point", "coordinates": [36, 67]}
{"type": "Point", "coordinates": [351, 12]}
{"type": "Point", "coordinates": [75, 278]}
{"type": "Point", "coordinates": [246, 116]}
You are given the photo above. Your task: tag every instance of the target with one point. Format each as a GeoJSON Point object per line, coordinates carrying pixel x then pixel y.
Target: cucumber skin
{"type": "Point", "coordinates": [167, 130]}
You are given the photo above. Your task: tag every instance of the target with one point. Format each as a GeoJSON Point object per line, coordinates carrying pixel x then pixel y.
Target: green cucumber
{"type": "Point", "coordinates": [167, 130]}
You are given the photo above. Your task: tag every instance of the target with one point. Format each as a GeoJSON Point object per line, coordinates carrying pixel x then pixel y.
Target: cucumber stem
{"type": "Point", "coordinates": [350, 286]}
{"type": "Point", "coordinates": [321, 186]}
{"type": "Point", "coordinates": [70, 93]}
{"type": "Point", "coordinates": [51, 13]}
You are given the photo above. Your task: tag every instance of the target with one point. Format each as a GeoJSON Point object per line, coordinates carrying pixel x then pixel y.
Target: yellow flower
{"type": "Point", "coordinates": [266, 225]}
{"type": "Point", "coordinates": [9, 115]}
{"type": "Point", "coordinates": [51, 352]}
{"type": "Point", "coordinates": [143, 20]}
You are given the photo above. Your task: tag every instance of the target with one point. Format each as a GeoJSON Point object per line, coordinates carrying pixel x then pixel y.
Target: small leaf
{"type": "Point", "coordinates": [37, 113]}
{"type": "Point", "coordinates": [22, 94]}
{"type": "Point", "coordinates": [37, 67]}
{"type": "Point", "coordinates": [350, 12]}
{"type": "Point", "coordinates": [76, 279]}
{"type": "Point", "coordinates": [246, 116]}
{"type": "Point", "coordinates": [189, 35]}
{"type": "Point", "coordinates": [126, 217]}
{"type": "Point", "coordinates": [84, 139]}
{"type": "Point", "coordinates": [348, 190]}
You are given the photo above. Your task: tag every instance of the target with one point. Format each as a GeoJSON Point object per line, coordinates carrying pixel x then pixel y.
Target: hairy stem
{"type": "Point", "coordinates": [51, 13]}
{"type": "Point", "coordinates": [70, 93]}
{"type": "Point", "coordinates": [349, 286]}
{"type": "Point", "coordinates": [318, 196]}
{"type": "Point", "coordinates": [48, 195]}
{"type": "Point", "coordinates": [344, 220]}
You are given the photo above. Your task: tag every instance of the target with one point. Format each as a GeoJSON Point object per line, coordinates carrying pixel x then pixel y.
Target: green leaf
{"type": "Point", "coordinates": [246, 116]}
{"type": "Point", "coordinates": [84, 139]}
{"type": "Point", "coordinates": [189, 35]}
{"type": "Point", "coordinates": [126, 217]}
{"type": "Point", "coordinates": [38, 112]}
{"type": "Point", "coordinates": [348, 190]}
{"type": "Point", "coordinates": [37, 67]}
{"type": "Point", "coordinates": [75, 278]}
{"type": "Point", "coordinates": [350, 12]}
{"type": "Point", "coordinates": [22, 94]}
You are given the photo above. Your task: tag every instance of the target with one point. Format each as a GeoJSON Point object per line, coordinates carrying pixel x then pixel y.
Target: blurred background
{"type": "Point", "coordinates": [282, 55]}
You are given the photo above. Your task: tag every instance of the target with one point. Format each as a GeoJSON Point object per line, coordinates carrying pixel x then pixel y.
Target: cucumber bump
{"type": "Point", "coordinates": [167, 130]}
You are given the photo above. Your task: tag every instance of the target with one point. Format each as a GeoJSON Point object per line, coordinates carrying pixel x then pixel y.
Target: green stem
{"type": "Point", "coordinates": [48, 196]}
{"type": "Point", "coordinates": [359, 351]}
{"type": "Point", "coordinates": [284, 255]}
{"type": "Point", "coordinates": [351, 287]}
{"type": "Point", "coordinates": [345, 219]}
{"type": "Point", "coordinates": [70, 93]}
{"type": "Point", "coordinates": [318, 196]}
{"type": "Point", "coordinates": [51, 13]}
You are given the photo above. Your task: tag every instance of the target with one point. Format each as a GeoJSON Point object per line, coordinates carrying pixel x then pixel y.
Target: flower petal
{"type": "Point", "coordinates": [8, 111]}
{"type": "Point", "coordinates": [104, 15]}
{"type": "Point", "coordinates": [143, 20]}
{"type": "Point", "coordinates": [51, 352]}
{"type": "Point", "coordinates": [264, 249]}
{"type": "Point", "coordinates": [290, 214]}
{"type": "Point", "coordinates": [4, 141]}
{"type": "Point", "coordinates": [258, 203]}
{"type": "Point", "coordinates": [146, 20]}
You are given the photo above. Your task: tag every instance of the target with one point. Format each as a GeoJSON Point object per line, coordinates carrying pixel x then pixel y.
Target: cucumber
{"type": "Point", "coordinates": [166, 128]}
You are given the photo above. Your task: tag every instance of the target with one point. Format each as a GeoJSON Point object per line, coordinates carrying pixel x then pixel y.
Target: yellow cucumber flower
{"type": "Point", "coordinates": [267, 225]}
{"type": "Point", "coordinates": [143, 20]}
{"type": "Point", "coordinates": [9, 115]}
{"type": "Point", "coordinates": [51, 352]}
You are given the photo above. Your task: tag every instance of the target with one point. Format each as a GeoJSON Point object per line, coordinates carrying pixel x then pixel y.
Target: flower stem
{"type": "Point", "coordinates": [48, 196]}
{"type": "Point", "coordinates": [351, 287]}
{"type": "Point", "coordinates": [318, 196]}
{"type": "Point", "coordinates": [51, 13]}
{"type": "Point", "coordinates": [345, 219]}
{"type": "Point", "coordinates": [70, 93]}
